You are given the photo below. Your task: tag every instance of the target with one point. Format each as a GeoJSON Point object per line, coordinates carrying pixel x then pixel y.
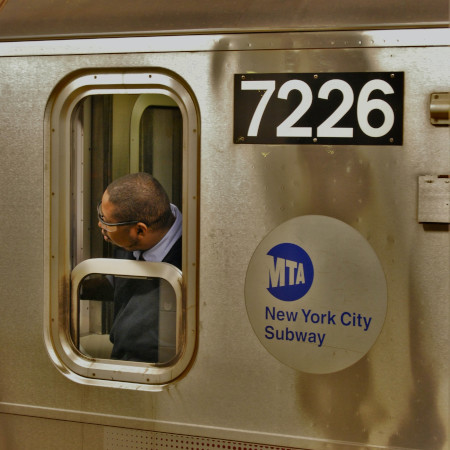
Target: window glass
{"type": "Point", "coordinates": [152, 335]}
{"type": "Point", "coordinates": [104, 148]}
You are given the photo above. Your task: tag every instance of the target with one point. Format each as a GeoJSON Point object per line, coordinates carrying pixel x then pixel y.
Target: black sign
{"type": "Point", "coordinates": [358, 108]}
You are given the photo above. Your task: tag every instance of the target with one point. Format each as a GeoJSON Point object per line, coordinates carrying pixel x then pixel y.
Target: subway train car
{"type": "Point", "coordinates": [306, 144]}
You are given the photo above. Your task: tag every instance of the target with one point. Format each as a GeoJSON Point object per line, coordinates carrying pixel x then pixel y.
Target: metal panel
{"type": "Point", "coordinates": [123, 439]}
{"type": "Point", "coordinates": [434, 199]}
{"type": "Point", "coordinates": [48, 18]}
{"type": "Point", "coordinates": [396, 396]}
{"type": "Point", "coordinates": [225, 42]}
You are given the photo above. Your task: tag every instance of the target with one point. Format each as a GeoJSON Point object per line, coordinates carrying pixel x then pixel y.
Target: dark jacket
{"type": "Point", "coordinates": [135, 329]}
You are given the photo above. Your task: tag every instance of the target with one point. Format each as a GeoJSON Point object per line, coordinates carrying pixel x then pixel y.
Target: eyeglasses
{"type": "Point", "coordinates": [111, 226]}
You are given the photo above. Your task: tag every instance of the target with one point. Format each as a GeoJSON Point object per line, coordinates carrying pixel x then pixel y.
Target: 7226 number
{"type": "Point", "coordinates": [307, 113]}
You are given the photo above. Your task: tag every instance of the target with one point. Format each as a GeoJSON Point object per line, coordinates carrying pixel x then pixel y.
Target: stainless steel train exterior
{"type": "Point", "coordinates": [359, 188]}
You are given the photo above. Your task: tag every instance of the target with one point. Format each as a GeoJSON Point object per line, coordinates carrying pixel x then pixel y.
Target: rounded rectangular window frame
{"type": "Point", "coordinates": [59, 307]}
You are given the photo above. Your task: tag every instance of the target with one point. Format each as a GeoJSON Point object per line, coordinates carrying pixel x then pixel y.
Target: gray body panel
{"type": "Point", "coordinates": [48, 18]}
{"type": "Point", "coordinates": [395, 396]}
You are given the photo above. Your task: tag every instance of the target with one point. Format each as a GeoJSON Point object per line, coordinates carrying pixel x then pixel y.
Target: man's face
{"type": "Point", "coordinates": [124, 236]}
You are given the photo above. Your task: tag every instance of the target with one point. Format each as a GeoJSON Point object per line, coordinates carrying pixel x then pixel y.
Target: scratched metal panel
{"type": "Point", "coordinates": [395, 396]}
{"type": "Point", "coordinates": [50, 18]}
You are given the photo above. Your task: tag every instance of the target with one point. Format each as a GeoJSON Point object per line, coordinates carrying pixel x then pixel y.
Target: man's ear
{"type": "Point", "coordinates": [141, 229]}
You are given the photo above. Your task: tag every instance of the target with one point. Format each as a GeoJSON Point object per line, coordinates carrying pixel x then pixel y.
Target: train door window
{"type": "Point", "coordinates": [114, 319]}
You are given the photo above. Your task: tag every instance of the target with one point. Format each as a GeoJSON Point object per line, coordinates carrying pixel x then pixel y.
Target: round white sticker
{"type": "Point", "coordinates": [315, 294]}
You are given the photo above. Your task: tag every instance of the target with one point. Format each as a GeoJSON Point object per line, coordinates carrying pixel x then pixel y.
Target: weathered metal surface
{"type": "Point", "coordinates": [395, 396]}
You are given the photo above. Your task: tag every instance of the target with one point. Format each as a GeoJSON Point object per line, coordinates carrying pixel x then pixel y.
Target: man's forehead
{"type": "Point", "coordinates": [107, 208]}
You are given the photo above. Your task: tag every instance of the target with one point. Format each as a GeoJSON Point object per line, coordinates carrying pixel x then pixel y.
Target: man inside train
{"type": "Point", "coordinates": [135, 214]}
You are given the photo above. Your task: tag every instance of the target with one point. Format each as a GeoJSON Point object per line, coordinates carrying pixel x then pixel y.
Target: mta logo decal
{"type": "Point", "coordinates": [291, 272]}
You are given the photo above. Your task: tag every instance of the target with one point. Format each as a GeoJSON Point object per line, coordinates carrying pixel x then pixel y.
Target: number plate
{"type": "Point", "coordinates": [323, 108]}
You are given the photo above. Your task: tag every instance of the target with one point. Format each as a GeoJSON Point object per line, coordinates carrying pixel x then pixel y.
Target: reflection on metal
{"type": "Point", "coordinates": [434, 199]}
{"type": "Point", "coordinates": [2, 3]}
{"type": "Point", "coordinates": [440, 108]}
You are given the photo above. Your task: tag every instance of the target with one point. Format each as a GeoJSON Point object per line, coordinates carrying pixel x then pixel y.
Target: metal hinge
{"type": "Point", "coordinates": [440, 108]}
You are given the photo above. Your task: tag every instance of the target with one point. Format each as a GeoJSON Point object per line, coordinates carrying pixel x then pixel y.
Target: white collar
{"type": "Point", "coordinates": [160, 250]}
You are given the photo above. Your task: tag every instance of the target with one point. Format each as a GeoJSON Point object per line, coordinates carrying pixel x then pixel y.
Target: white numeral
{"type": "Point", "coordinates": [286, 128]}
{"type": "Point", "coordinates": [262, 85]}
{"type": "Point", "coordinates": [365, 106]}
{"type": "Point", "coordinates": [327, 129]}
